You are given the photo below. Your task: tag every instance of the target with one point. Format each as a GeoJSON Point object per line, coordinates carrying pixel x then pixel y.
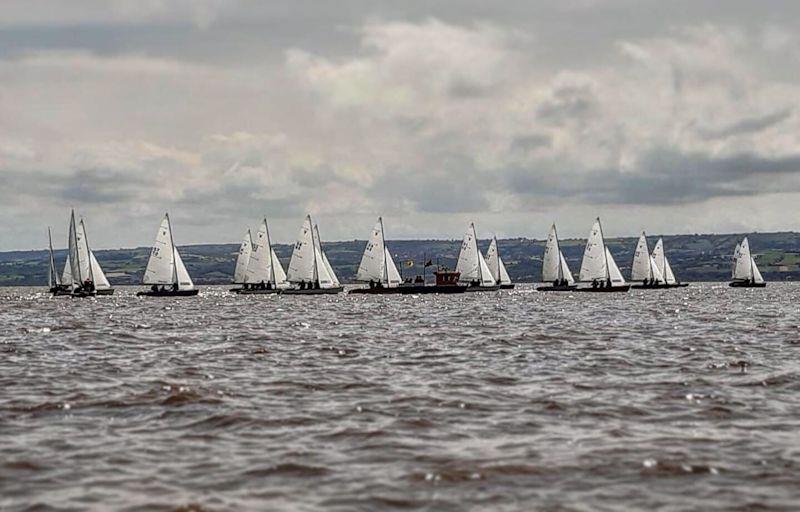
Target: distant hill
{"type": "Point", "coordinates": [693, 258]}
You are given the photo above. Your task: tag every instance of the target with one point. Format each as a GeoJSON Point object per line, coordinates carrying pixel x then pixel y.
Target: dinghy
{"type": "Point", "coordinates": [87, 267]}
{"type": "Point", "coordinates": [54, 282]}
{"type": "Point", "coordinates": [644, 269]}
{"type": "Point", "coordinates": [745, 270]}
{"type": "Point", "coordinates": [659, 256]}
{"type": "Point", "coordinates": [165, 269]}
{"type": "Point", "coordinates": [309, 268]}
{"type": "Point", "coordinates": [240, 269]}
{"type": "Point", "coordinates": [496, 266]}
{"type": "Point", "coordinates": [78, 269]}
{"type": "Point", "coordinates": [554, 267]}
{"type": "Point", "coordinates": [598, 266]}
{"type": "Point", "coordinates": [264, 273]}
{"type": "Point", "coordinates": [377, 266]}
{"type": "Point", "coordinates": [472, 268]}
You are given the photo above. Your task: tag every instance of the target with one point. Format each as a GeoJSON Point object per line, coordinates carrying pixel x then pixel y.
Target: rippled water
{"type": "Point", "coordinates": [680, 399]}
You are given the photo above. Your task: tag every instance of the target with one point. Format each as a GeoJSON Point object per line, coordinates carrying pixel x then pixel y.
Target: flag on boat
{"type": "Point", "coordinates": [409, 263]}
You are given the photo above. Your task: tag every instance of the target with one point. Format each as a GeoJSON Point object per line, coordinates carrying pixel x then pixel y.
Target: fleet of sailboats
{"type": "Point", "coordinates": [472, 267]}
{"type": "Point", "coordinates": [745, 273]}
{"type": "Point", "coordinates": [258, 269]}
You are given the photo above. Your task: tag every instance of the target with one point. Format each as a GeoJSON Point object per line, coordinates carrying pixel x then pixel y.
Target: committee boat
{"type": "Point", "coordinates": [377, 268]}
{"type": "Point", "coordinates": [555, 270]}
{"type": "Point", "coordinates": [598, 266]}
{"type": "Point", "coordinates": [497, 267]}
{"type": "Point", "coordinates": [659, 256]}
{"type": "Point", "coordinates": [472, 268]}
{"type": "Point", "coordinates": [165, 270]}
{"type": "Point", "coordinates": [745, 271]}
{"type": "Point", "coordinates": [309, 269]}
{"type": "Point", "coordinates": [264, 273]}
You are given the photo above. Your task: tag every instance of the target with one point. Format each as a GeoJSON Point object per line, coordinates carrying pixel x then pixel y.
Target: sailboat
{"type": "Point", "coordinates": [54, 282]}
{"type": "Point", "coordinates": [264, 273]}
{"type": "Point", "coordinates": [377, 266]}
{"type": "Point", "coordinates": [644, 268]}
{"type": "Point", "coordinates": [598, 266]}
{"type": "Point", "coordinates": [165, 269]}
{"type": "Point", "coordinates": [554, 267]}
{"type": "Point", "coordinates": [496, 266]}
{"type": "Point", "coordinates": [659, 256]}
{"type": "Point", "coordinates": [240, 269]}
{"type": "Point", "coordinates": [745, 270]}
{"type": "Point", "coordinates": [472, 268]}
{"type": "Point", "coordinates": [94, 280]}
{"type": "Point", "coordinates": [309, 268]}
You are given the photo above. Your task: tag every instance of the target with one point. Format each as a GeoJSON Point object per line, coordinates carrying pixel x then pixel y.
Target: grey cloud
{"type": "Point", "coordinates": [748, 125]}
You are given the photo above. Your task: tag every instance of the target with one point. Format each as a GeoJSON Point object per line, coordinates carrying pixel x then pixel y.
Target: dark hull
{"type": "Point", "coordinates": [313, 291]}
{"type": "Point", "coordinates": [82, 295]}
{"type": "Point", "coordinates": [421, 289]}
{"type": "Point", "coordinates": [271, 291]}
{"type": "Point", "coordinates": [507, 286]}
{"type": "Point", "coordinates": [107, 291]}
{"type": "Point", "coordinates": [551, 288]}
{"type": "Point", "coordinates": [377, 291]}
{"type": "Point", "coordinates": [61, 292]}
{"type": "Point", "coordinates": [742, 284]}
{"type": "Point", "coordinates": [483, 288]}
{"type": "Point", "coordinates": [605, 289]}
{"type": "Point", "coordinates": [658, 286]}
{"type": "Point", "coordinates": [168, 293]}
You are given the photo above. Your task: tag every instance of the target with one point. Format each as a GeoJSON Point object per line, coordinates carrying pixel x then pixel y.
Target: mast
{"type": "Point", "coordinates": [497, 250]}
{"type": "Point", "coordinates": [88, 252]}
{"type": "Point", "coordinates": [53, 273]}
{"type": "Point", "coordinates": [477, 250]}
{"type": "Point", "coordinates": [271, 263]}
{"type": "Point", "coordinates": [752, 274]}
{"type": "Point", "coordinates": [558, 252]}
{"type": "Point", "coordinates": [315, 275]}
{"type": "Point", "coordinates": [385, 263]}
{"type": "Point", "coordinates": [74, 235]}
{"type": "Point", "coordinates": [174, 259]}
{"type": "Point", "coordinates": [602, 239]}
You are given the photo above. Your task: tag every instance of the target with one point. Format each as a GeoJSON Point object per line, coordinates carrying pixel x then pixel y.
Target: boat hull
{"type": "Point", "coordinates": [742, 284]}
{"type": "Point", "coordinates": [313, 291]}
{"type": "Point", "coordinates": [60, 292]}
{"type": "Point", "coordinates": [271, 291]}
{"type": "Point", "coordinates": [106, 291]}
{"type": "Point", "coordinates": [560, 288]}
{"type": "Point", "coordinates": [507, 286]}
{"type": "Point", "coordinates": [377, 291]}
{"type": "Point", "coordinates": [168, 293]}
{"type": "Point", "coordinates": [83, 295]}
{"type": "Point", "coordinates": [606, 289]}
{"type": "Point", "coordinates": [421, 289]}
{"type": "Point", "coordinates": [659, 286]}
{"type": "Point", "coordinates": [483, 288]}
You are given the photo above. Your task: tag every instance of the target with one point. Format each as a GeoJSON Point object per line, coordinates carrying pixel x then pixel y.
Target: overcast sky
{"type": "Point", "coordinates": [670, 116]}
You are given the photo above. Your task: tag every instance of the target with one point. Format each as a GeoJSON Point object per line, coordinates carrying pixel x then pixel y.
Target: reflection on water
{"type": "Point", "coordinates": [685, 399]}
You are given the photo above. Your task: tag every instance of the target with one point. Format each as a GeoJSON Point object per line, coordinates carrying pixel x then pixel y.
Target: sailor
{"type": "Point", "coordinates": [88, 285]}
{"type": "Point", "coordinates": [262, 286]}
{"type": "Point", "coordinates": [269, 285]}
{"type": "Point", "coordinates": [316, 284]}
{"type": "Point", "coordinates": [154, 288]}
{"type": "Point", "coordinates": [594, 283]}
{"type": "Point", "coordinates": [303, 284]}
{"type": "Point", "coordinates": [174, 287]}
{"type": "Point", "coordinates": [371, 283]}
{"type": "Point", "coordinates": [608, 283]}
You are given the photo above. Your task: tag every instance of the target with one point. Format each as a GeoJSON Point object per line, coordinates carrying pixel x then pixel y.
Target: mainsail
{"type": "Point", "coordinates": [52, 275]}
{"type": "Point", "coordinates": [376, 262]}
{"type": "Point", "coordinates": [595, 265]}
{"type": "Point", "coordinates": [471, 263]}
{"type": "Point", "coordinates": [745, 265]}
{"type": "Point", "coordinates": [165, 266]}
{"type": "Point", "coordinates": [242, 260]}
{"type": "Point", "coordinates": [495, 264]}
{"type": "Point", "coordinates": [554, 265]}
{"type": "Point", "coordinates": [662, 263]}
{"type": "Point", "coordinates": [644, 266]}
{"type": "Point", "coordinates": [302, 266]}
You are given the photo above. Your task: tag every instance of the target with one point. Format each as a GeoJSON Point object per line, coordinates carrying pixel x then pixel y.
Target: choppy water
{"type": "Point", "coordinates": [676, 400]}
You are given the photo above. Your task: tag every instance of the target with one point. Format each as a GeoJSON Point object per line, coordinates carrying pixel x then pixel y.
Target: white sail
{"type": "Point", "coordinates": [495, 263]}
{"type": "Point", "coordinates": [302, 266]}
{"type": "Point", "coordinates": [735, 259]}
{"type": "Point", "coordinates": [259, 266]}
{"type": "Point", "coordinates": [594, 265]}
{"type": "Point", "coordinates": [613, 269]}
{"type": "Point", "coordinates": [75, 276]}
{"type": "Point", "coordinates": [641, 268]}
{"type": "Point", "coordinates": [161, 265]}
{"type": "Point", "coordinates": [757, 277]}
{"type": "Point", "coordinates": [551, 262]}
{"type": "Point", "coordinates": [485, 277]}
{"type": "Point", "coordinates": [242, 260]}
{"type": "Point", "coordinates": [373, 261]}
{"type": "Point", "coordinates": [328, 277]}
{"type": "Point", "coordinates": [100, 279]}
{"type": "Point", "coordinates": [657, 276]}
{"type": "Point", "coordinates": [668, 276]}
{"type": "Point", "coordinates": [743, 268]}
{"type": "Point", "coordinates": [566, 273]}
{"type": "Point", "coordinates": [181, 274]}
{"type": "Point", "coordinates": [52, 274]}
{"type": "Point", "coordinates": [278, 273]}
{"type": "Point", "coordinates": [393, 278]}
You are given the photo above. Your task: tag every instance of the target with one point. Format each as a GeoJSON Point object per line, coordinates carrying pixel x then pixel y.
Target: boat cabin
{"type": "Point", "coordinates": [446, 277]}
